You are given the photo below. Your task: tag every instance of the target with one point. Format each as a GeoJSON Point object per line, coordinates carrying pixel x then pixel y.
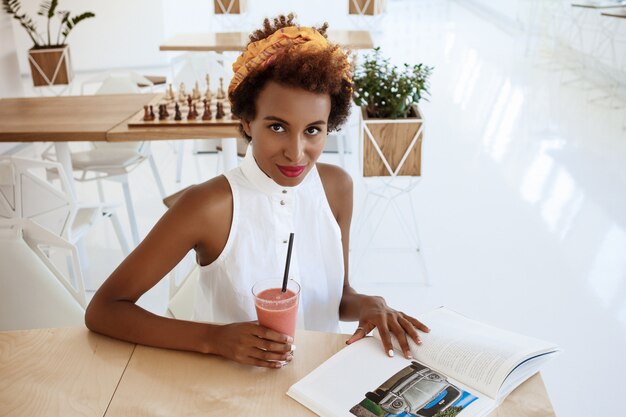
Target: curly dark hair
{"type": "Point", "coordinates": [317, 72]}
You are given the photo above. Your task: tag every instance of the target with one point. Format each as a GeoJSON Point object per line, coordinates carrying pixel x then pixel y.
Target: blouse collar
{"type": "Point", "coordinates": [260, 180]}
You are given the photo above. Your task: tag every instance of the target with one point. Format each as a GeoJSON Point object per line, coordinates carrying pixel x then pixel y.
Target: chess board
{"type": "Point", "coordinates": [137, 120]}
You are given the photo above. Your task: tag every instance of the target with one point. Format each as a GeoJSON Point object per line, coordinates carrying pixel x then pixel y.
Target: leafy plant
{"type": "Point", "coordinates": [387, 92]}
{"type": "Point", "coordinates": [49, 10]}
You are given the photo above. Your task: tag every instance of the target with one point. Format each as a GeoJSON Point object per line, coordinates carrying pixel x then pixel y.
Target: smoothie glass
{"type": "Point", "coordinates": [275, 309]}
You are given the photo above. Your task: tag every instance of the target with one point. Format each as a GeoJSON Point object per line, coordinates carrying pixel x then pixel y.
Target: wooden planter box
{"type": "Point", "coordinates": [366, 7]}
{"type": "Point", "coordinates": [50, 66]}
{"type": "Point", "coordinates": [392, 147]}
{"type": "Point", "coordinates": [229, 6]}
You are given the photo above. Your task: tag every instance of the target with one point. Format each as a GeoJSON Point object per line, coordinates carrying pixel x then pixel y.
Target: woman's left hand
{"type": "Point", "coordinates": [375, 313]}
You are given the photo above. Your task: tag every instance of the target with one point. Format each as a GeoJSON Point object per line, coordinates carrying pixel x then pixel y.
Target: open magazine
{"type": "Point", "coordinates": [463, 368]}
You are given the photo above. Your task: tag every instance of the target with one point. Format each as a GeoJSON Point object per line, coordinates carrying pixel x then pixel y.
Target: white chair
{"type": "Point", "coordinates": [34, 293]}
{"type": "Point", "coordinates": [183, 294]}
{"type": "Point", "coordinates": [114, 161]}
{"type": "Point", "coordinates": [26, 193]}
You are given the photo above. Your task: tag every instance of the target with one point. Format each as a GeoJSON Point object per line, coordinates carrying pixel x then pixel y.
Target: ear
{"type": "Point", "coordinates": [246, 127]}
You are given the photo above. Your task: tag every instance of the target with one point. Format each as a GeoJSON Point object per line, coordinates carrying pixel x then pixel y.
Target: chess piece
{"type": "Point", "coordinates": [163, 113]}
{"type": "Point", "coordinates": [169, 96]}
{"type": "Point", "coordinates": [196, 91]}
{"type": "Point", "coordinates": [146, 114]}
{"type": "Point", "coordinates": [192, 112]}
{"type": "Point", "coordinates": [181, 92]}
{"type": "Point", "coordinates": [152, 117]}
{"type": "Point", "coordinates": [220, 92]}
{"type": "Point", "coordinates": [207, 93]}
{"type": "Point", "coordinates": [207, 110]}
{"type": "Point", "coordinates": [177, 115]}
{"type": "Point", "coordinates": [189, 101]}
{"type": "Point", "coordinates": [219, 111]}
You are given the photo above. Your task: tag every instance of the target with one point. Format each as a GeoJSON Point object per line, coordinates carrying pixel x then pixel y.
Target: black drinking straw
{"type": "Point", "coordinates": [286, 277]}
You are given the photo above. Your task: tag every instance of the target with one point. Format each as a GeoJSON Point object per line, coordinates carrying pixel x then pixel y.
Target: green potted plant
{"type": "Point", "coordinates": [49, 56]}
{"type": "Point", "coordinates": [392, 124]}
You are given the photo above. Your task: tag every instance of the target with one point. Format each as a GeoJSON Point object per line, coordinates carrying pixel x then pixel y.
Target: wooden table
{"type": "Point", "coordinates": [73, 372]}
{"type": "Point", "coordinates": [237, 41]}
{"type": "Point", "coordinates": [98, 118]}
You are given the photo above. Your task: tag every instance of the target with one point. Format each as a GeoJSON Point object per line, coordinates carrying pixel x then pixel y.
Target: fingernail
{"type": "Point", "coordinates": [289, 339]}
{"type": "Point", "coordinates": [408, 355]}
{"type": "Point", "coordinates": [390, 353]}
{"type": "Point", "coordinates": [419, 342]}
{"type": "Point", "coordinates": [293, 348]}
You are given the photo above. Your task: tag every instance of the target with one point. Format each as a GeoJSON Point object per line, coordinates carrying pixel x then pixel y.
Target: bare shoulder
{"type": "Point", "coordinates": [205, 210]}
{"type": "Point", "coordinates": [338, 188]}
{"type": "Point", "coordinates": [334, 176]}
{"type": "Point", "coordinates": [208, 197]}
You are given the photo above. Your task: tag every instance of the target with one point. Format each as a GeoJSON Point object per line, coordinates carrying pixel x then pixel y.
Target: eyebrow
{"type": "Point", "coordinates": [278, 119]}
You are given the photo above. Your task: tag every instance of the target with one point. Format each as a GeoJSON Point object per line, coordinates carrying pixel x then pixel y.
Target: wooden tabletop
{"type": "Point", "coordinates": [237, 41]}
{"type": "Point", "coordinates": [92, 118]}
{"type": "Point", "coordinates": [73, 372]}
{"type": "Point", "coordinates": [59, 372]}
{"type": "Point", "coordinates": [67, 118]}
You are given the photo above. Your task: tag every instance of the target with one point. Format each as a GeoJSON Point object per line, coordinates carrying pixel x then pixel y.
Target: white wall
{"type": "Point", "coordinates": [123, 34]}
{"type": "Point", "coordinates": [10, 83]}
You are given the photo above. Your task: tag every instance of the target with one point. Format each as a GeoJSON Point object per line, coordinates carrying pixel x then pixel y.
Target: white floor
{"type": "Point", "coordinates": [521, 208]}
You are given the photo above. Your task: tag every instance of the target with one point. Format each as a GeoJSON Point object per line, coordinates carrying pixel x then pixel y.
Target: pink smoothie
{"type": "Point", "coordinates": [277, 310]}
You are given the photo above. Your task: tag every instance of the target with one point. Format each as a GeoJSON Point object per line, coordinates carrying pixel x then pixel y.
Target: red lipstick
{"type": "Point", "coordinates": [291, 171]}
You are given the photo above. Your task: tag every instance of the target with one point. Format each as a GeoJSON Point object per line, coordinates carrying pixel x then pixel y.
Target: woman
{"type": "Point", "coordinates": [290, 88]}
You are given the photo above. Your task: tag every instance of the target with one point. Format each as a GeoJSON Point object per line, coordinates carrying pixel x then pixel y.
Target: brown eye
{"type": "Point", "coordinates": [312, 131]}
{"type": "Point", "coordinates": [277, 128]}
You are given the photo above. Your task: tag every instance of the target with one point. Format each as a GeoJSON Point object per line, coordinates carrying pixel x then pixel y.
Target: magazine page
{"type": "Point", "coordinates": [361, 380]}
{"type": "Point", "coordinates": [480, 355]}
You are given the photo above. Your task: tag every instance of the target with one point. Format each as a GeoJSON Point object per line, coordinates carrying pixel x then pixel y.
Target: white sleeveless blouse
{"type": "Point", "coordinates": [264, 213]}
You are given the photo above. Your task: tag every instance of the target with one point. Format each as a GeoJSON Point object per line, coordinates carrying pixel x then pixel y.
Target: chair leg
{"type": "Point", "coordinates": [117, 226]}
{"type": "Point", "coordinates": [157, 177]}
{"type": "Point", "coordinates": [131, 211]}
{"type": "Point", "coordinates": [100, 191]}
{"type": "Point", "coordinates": [179, 160]}
{"type": "Point", "coordinates": [82, 253]}
{"type": "Point", "coordinates": [218, 164]}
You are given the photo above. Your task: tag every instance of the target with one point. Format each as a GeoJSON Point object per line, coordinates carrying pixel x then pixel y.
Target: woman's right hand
{"type": "Point", "coordinates": [251, 344]}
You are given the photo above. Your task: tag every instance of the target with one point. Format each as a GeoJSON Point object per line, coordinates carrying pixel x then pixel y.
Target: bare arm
{"type": "Point", "coordinates": [200, 220]}
{"type": "Point", "coordinates": [369, 311]}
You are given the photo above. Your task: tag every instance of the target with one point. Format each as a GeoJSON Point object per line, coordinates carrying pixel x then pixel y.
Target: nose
{"type": "Point", "coordinates": [294, 148]}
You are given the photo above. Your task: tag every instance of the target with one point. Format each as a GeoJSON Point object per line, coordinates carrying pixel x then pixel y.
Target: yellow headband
{"type": "Point", "coordinates": [261, 52]}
